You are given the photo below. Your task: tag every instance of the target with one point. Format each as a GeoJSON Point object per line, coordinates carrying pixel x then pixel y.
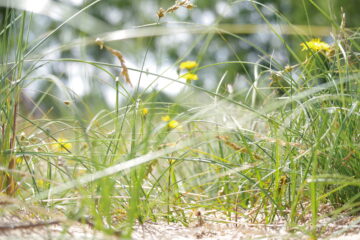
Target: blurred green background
{"type": "Point", "coordinates": [75, 40]}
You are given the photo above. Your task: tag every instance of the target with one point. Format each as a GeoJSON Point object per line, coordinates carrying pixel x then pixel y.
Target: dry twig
{"type": "Point", "coordinates": [185, 3]}
{"type": "Point", "coordinates": [116, 53]}
{"type": "Point", "coordinates": [10, 227]}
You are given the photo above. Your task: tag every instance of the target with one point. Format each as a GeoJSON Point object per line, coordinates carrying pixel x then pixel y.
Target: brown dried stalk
{"type": "Point", "coordinates": [116, 53]}
{"type": "Point", "coordinates": [231, 144]}
{"type": "Point", "coordinates": [236, 147]}
{"type": "Point", "coordinates": [185, 3]}
{"type": "Point", "coordinates": [9, 227]}
{"type": "Point", "coordinates": [10, 181]}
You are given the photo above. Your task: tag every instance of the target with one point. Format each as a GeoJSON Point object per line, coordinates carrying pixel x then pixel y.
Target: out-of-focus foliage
{"type": "Point", "coordinates": [165, 50]}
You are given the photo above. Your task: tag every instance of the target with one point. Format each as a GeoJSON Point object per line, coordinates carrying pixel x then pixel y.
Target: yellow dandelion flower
{"type": "Point", "coordinates": [144, 111]}
{"type": "Point", "coordinates": [61, 145]}
{"type": "Point", "coordinates": [188, 65]}
{"type": "Point", "coordinates": [40, 183]}
{"type": "Point", "coordinates": [190, 76]}
{"type": "Point", "coordinates": [316, 45]}
{"type": "Point", "coordinates": [19, 160]}
{"type": "Point", "coordinates": [165, 118]}
{"type": "Point", "coordinates": [173, 124]}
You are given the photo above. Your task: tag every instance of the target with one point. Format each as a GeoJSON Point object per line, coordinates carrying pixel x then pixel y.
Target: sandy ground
{"type": "Point", "coordinates": [36, 223]}
{"type": "Point", "coordinates": [223, 232]}
{"type": "Point", "coordinates": [168, 231]}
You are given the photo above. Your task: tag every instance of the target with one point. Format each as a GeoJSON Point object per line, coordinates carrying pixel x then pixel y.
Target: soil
{"type": "Point", "coordinates": [38, 230]}
{"type": "Point", "coordinates": [38, 224]}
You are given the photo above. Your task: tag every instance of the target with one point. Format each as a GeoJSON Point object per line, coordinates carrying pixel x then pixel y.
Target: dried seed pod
{"type": "Point", "coordinates": [117, 54]}
{"type": "Point", "coordinates": [288, 68]}
{"type": "Point", "coordinates": [186, 4]}
{"type": "Point", "coordinates": [99, 42]}
{"type": "Point", "coordinates": [161, 13]}
{"type": "Point", "coordinates": [172, 9]}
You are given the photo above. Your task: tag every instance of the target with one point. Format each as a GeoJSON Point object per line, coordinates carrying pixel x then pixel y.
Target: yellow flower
{"type": "Point", "coordinates": [190, 76]}
{"type": "Point", "coordinates": [61, 145]}
{"type": "Point", "coordinates": [40, 183]}
{"type": "Point", "coordinates": [144, 111]}
{"type": "Point", "coordinates": [19, 160]}
{"type": "Point", "coordinates": [316, 45]}
{"type": "Point", "coordinates": [165, 118]}
{"type": "Point", "coordinates": [173, 124]}
{"type": "Point", "coordinates": [188, 65]}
